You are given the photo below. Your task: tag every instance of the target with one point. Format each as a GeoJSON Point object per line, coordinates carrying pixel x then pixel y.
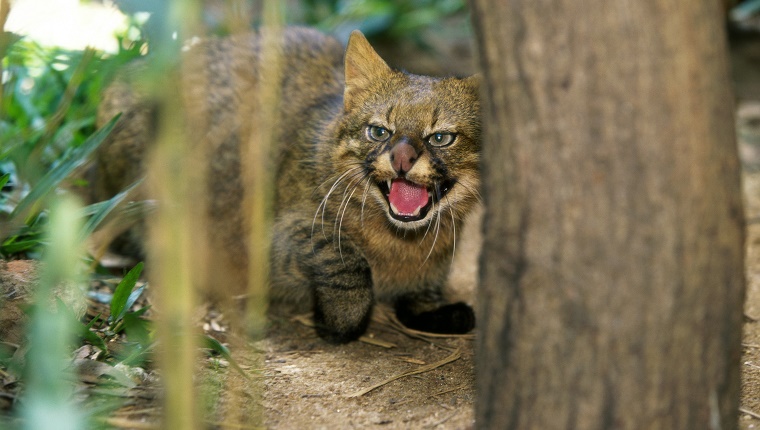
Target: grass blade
{"type": "Point", "coordinates": [58, 173]}
{"type": "Point", "coordinates": [123, 292]}
{"type": "Point", "coordinates": [101, 210]}
{"type": "Point", "coordinates": [214, 345]}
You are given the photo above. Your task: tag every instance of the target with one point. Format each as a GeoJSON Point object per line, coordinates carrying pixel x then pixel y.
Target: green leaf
{"type": "Point", "coordinates": [58, 173]}
{"type": "Point", "coordinates": [138, 329]}
{"type": "Point", "coordinates": [7, 39]}
{"type": "Point", "coordinates": [216, 346]}
{"type": "Point", "coordinates": [137, 354]}
{"type": "Point", "coordinates": [102, 209]}
{"type": "Point", "coordinates": [81, 330]}
{"type": "Point", "coordinates": [88, 335]}
{"type": "Point", "coordinates": [4, 180]}
{"type": "Point", "coordinates": [123, 294]}
{"type": "Point", "coordinates": [15, 247]}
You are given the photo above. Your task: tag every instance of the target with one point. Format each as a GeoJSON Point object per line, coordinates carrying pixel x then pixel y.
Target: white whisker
{"type": "Point", "coordinates": [323, 203]}
{"type": "Point", "coordinates": [432, 209]}
{"type": "Point", "coordinates": [340, 225]}
{"type": "Point", "coordinates": [472, 191]}
{"type": "Point", "coordinates": [454, 227]}
{"type": "Point", "coordinates": [435, 238]}
{"type": "Point", "coordinates": [352, 184]}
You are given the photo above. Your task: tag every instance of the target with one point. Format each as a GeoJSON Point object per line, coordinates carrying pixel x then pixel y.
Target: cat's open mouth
{"type": "Point", "coordinates": [409, 201]}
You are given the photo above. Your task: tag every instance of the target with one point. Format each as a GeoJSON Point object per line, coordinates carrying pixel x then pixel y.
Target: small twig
{"type": "Point", "coordinates": [377, 342]}
{"type": "Point", "coordinates": [223, 424]}
{"type": "Point", "coordinates": [750, 413]}
{"type": "Point", "coordinates": [448, 391]}
{"type": "Point", "coordinates": [144, 411]}
{"type": "Point", "coordinates": [453, 357]}
{"type": "Point", "coordinates": [410, 360]}
{"type": "Point", "coordinates": [430, 426]}
{"type": "Point", "coordinates": [132, 424]}
{"type": "Point", "coordinates": [303, 319]}
{"type": "Point", "coordinates": [387, 318]}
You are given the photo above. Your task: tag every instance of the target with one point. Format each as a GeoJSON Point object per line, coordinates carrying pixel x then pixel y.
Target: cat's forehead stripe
{"type": "Point", "coordinates": [434, 121]}
{"type": "Point", "coordinates": [388, 114]}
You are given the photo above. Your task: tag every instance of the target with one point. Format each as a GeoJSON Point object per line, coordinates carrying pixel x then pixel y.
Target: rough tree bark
{"type": "Point", "coordinates": [612, 272]}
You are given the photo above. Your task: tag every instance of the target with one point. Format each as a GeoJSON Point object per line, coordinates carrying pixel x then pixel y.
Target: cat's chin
{"type": "Point", "coordinates": [416, 225]}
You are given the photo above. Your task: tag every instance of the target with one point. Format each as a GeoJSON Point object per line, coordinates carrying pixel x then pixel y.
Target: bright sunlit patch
{"type": "Point", "coordinates": [67, 23]}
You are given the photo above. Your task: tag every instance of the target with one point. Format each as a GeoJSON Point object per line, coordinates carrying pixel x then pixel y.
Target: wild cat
{"type": "Point", "coordinates": [377, 170]}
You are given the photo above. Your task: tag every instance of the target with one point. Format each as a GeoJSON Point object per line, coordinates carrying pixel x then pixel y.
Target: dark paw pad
{"type": "Point", "coordinates": [456, 318]}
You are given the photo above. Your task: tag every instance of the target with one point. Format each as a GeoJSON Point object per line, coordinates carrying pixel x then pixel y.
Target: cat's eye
{"type": "Point", "coordinates": [377, 133]}
{"type": "Point", "coordinates": [441, 139]}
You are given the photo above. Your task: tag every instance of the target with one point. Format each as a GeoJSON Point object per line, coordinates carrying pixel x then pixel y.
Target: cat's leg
{"type": "Point", "coordinates": [338, 281]}
{"type": "Point", "coordinates": [427, 311]}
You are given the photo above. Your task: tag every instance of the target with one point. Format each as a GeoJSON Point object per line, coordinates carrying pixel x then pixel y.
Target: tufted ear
{"type": "Point", "coordinates": [474, 82]}
{"type": "Point", "coordinates": [362, 66]}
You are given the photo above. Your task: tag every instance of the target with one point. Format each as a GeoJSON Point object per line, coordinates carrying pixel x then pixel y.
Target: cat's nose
{"type": "Point", "coordinates": [403, 156]}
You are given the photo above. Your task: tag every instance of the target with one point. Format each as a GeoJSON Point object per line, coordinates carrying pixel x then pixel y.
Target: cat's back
{"type": "Point", "coordinates": [221, 83]}
{"type": "Point", "coordinates": [227, 74]}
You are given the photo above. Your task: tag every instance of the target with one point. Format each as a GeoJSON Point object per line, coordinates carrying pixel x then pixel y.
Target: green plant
{"type": "Point", "coordinates": [378, 18]}
{"type": "Point", "coordinates": [48, 107]}
{"type": "Point", "coordinates": [48, 403]}
{"type": "Point", "coordinates": [47, 131]}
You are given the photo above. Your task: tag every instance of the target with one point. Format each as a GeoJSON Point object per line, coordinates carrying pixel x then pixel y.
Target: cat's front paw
{"type": "Point", "coordinates": [339, 336]}
{"type": "Point", "coordinates": [341, 330]}
{"type": "Point", "coordinates": [455, 318]}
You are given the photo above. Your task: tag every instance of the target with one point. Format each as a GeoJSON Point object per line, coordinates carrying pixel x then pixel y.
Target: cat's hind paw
{"type": "Point", "coordinates": [455, 318]}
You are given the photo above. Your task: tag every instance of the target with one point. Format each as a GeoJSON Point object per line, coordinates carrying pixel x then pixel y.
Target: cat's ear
{"type": "Point", "coordinates": [474, 82]}
{"type": "Point", "coordinates": [362, 66]}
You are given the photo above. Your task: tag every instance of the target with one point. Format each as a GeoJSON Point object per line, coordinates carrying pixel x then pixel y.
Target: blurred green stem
{"type": "Point", "coordinates": [172, 251]}
{"type": "Point", "coordinates": [48, 398]}
{"type": "Point", "coordinates": [5, 10]}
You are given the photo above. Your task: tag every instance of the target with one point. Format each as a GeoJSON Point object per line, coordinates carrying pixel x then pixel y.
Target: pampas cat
{"type": "Point", "coordinates": [377, 170]}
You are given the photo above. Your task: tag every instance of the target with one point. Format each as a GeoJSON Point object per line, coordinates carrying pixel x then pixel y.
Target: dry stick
{"type": "Point", "coordinates": [377, 342]}
{"type": "Point", "coordinates": [434, 425]}
{"type": "Point", "coordinates": [453, 357]}
{"type": "Point", "coordinates": [132, 424]}
{"type": "Point", "coordinates": [449, 390]}
{"type": "Point", "coordinates": [750, 413]}
{"type": "Point", "coordinates": [222, 424]}
{"type": "Point", "coordinates": [414, 334]}
{"type": "Point", "coordinates": [389, 319]}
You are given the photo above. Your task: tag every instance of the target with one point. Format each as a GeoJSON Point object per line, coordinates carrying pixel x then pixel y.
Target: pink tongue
{"type": "Point", "coordinates": [407, 197]}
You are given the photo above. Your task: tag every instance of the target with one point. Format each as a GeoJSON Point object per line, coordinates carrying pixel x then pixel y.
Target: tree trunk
{"type": "Point", "coordinates": [612, 272]}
